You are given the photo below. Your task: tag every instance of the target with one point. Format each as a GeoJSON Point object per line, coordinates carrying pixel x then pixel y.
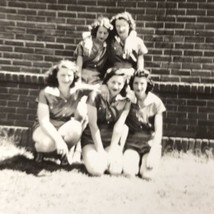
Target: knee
{"type": "Point", "coordinates": [94, 164]}
{"type": "Point", "coordinates": [47, 145]}
{"type": "Point", "coordinates": [147, 174]}
{"type": "Point", "coordinates": [94, 168]}
{"type": "Point", "coordinates": [115, 169]}
{"type": "Point", "coordinates": [129, 171]}
{"type": "Point", "coordinates": [130, 164]}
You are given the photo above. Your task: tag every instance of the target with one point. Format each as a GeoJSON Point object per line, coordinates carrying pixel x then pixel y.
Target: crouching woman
{"type": "Point", "coordinates": [100, 141]}
{"type": "Point", "coordinates": [59, 122]}
{"type": "Point", "coordinates": [143, 146]}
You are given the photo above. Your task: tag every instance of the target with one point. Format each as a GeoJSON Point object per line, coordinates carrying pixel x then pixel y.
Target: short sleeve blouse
{"type": "Point", "coordinates": [96, 59]}
{"type": "Point", "coordinates": [61, 109]}
{"type": "Point", "coordinates": [107, 112]}
{"type": "Point", "coordinates": [141, 119]}
{"type": "Point", "coordinates": [116, 55]}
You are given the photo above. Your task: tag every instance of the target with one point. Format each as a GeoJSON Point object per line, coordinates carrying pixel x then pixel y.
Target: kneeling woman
{"type": "Point", "coordinates": [59, 124]}
{"type": "Point", "coordinates": [143, 146]}
{"type": "Point", "coordinates": [100, 140]}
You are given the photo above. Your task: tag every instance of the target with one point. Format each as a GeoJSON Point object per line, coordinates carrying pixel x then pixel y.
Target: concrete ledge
{"type": "Point", "coordinates": [21, 136]}
{"type": "Point", "coordinates": [21, 77]}
{"type": "Point", "coordinates": [193, 88]}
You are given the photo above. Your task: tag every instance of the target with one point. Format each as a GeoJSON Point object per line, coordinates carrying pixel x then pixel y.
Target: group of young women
{"type": "Point", "coordinates": [104, 103]}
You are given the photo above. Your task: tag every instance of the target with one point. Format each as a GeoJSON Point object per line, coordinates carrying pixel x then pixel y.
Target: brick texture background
{"type": "Point", "coordinates": [190, 108]}
{"type": "Point", "coordinates": [179, 34]}
{"type": "Point", "coordinates": [35, 34]}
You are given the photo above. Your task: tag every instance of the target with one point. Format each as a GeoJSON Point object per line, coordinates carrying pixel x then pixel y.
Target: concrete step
{"type": "Point", "coordinates": [21, 136]}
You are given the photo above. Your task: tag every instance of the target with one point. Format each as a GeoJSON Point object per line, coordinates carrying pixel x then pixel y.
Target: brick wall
{"type": "Point", "coordinates": [190, 108]}
{"type": "Point", "coordinates": [34, 34]}
{"type": "Point", "coordinates": [179, 34]}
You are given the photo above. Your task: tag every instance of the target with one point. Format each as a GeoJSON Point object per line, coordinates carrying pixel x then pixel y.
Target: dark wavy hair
{"type": "Point", "coordinates": [51, 74]}
{"type": "Point", "coordinates": [100, 21]}
{"type": "Point", "coordinates": [116, 71]}
{"type": "Point", "coordinates": [142, 73]}
{"type": "Point", "coordinates": [126, 16]}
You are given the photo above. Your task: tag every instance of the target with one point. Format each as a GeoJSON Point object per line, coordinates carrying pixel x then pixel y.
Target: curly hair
{"type": "Point", "coordinates": [125, 16]}
{"type": "Point", "coordinates": [143, 73]}
{"type": "Point", "coordinates": [100, 21]}
{"type": "Point", "coordinates": [51, 74]}
{"type": "Point", "coordinates": [116, 71]}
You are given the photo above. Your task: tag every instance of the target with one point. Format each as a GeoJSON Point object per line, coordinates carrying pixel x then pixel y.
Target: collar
{"type": "Point", "coordinates": [150, 98]}
{"type": "Point", "coordinates": [55, 91]}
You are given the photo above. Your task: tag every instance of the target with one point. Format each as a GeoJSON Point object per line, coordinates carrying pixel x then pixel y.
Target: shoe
{"type": "Point", "coordinates": [64, 160]}
{"type": "Point", "coordinates": [38, 157]}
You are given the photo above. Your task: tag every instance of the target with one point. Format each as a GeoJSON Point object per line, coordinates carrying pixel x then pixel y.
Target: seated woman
{"type": "Point", "coordinates": [143, 146]}
{"type": "Point", "coordinates": [100, 140]}
{"type": "Point", "coordinates": [60, 116]}
{"type": "Point", "coordinates": [122, 37]}
{"type": "Point", "coordinates": [91, 53]}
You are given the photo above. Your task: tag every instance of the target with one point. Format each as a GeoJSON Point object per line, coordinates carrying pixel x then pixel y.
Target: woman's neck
{"type": "Point", "coordinates": [98, 41]}
{"type": "Point", "coordinates": [141, 99]}
{"type": "Point", "coordinates": [64, 91]}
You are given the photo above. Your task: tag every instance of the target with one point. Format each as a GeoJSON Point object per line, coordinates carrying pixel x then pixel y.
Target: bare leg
{"type": "Point", "coordinates": [131, 160]}
{"type": "Point", "coordinates": [95, 163]}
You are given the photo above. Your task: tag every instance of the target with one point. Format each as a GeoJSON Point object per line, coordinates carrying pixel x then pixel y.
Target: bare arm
{"type": "Point", "coordinates": [95, 132]}
{"type": "Point", "coordinates": [140, 62]}
{"type": "Point", "coordinates": [118, 127]}
{"type": "Point", "coordinates": [158, 129]}
{"type": "Point", "coordinates": [155, 152]}
{"type": "Point", "coordinates": [79, 65]}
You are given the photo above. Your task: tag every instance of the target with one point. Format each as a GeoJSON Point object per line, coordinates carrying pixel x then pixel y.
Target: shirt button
{"type": "Point", "coordinates": [65, 108]}
{"type": "Point", "coordinates": [66, 101]}
{"type": "Point", "coordinates": [63, 115]}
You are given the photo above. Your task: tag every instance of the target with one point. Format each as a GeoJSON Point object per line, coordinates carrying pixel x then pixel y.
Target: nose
{"type": "Point", "coordinates": [138, 87]}
{"type": "Point", "coordinates": [115, 87]}
{"type": "Point", "coordinates": [66, 78]}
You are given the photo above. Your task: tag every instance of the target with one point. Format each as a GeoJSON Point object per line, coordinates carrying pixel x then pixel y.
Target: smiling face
{"type": "Point", "coordinates": [115, 85]}
{"type": "Point", "coordinates": [102, 34]}
{"type": "Point", "coordinates": [140, 86]}
{"type": "Point", "coordinates": [122, 28]}
{"type": "Point", "coordinates": [65, 77]}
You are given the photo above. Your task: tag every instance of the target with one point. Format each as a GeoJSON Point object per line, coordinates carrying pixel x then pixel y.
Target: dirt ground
{"type": "Point", "coordinates": [184, 185]}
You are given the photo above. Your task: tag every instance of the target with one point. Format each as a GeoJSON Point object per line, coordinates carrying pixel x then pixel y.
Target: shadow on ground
{"type": "Point", "coordinates": [30, 166]}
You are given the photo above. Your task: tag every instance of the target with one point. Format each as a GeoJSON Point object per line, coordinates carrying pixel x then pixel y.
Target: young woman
{"type": "Point", "coordinates": [60, 116]}
{"type": "Point", "coordinates": [101, 139]}
{"type": "Point", "coordinates": [143, 146]}
{"type": "Point", "coordinates": [91, 52]}
{"type": "Point", "coordinates": [123, 26]}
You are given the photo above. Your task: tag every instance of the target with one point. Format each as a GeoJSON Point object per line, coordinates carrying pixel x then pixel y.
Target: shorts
{"type": "Point", "coordinates": [138, 142]}
{"type": "Point", "coordinates": [105, 132]}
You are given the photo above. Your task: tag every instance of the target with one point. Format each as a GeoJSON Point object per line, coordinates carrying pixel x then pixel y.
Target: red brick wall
{"type": "Point", "coordinates": [179, 34]}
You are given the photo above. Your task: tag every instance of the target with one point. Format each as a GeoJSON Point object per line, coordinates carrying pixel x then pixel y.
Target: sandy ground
{"type": "Point", "coordinates": [184, 185]}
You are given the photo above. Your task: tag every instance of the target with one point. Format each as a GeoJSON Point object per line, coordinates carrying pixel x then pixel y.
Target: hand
{"type": "Point", "coordinates": [131, 96]}
{"type": "Point", "coordinates": [105, 92]}
{"type": "Point", "coordinates": [115, 159]}
{"type": "Point", "coordinates": [103, 157]}
{"type": "Point", "coordinates": [81, 110]}
{"type": "Point", "coordinates": [87, 43]}
{"type": "Point", "coordinates": [62, 148]}
{"type": "Point", "coordinates": [128, 48]}
{"type": "Point", "coordinates": [154, 156]}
